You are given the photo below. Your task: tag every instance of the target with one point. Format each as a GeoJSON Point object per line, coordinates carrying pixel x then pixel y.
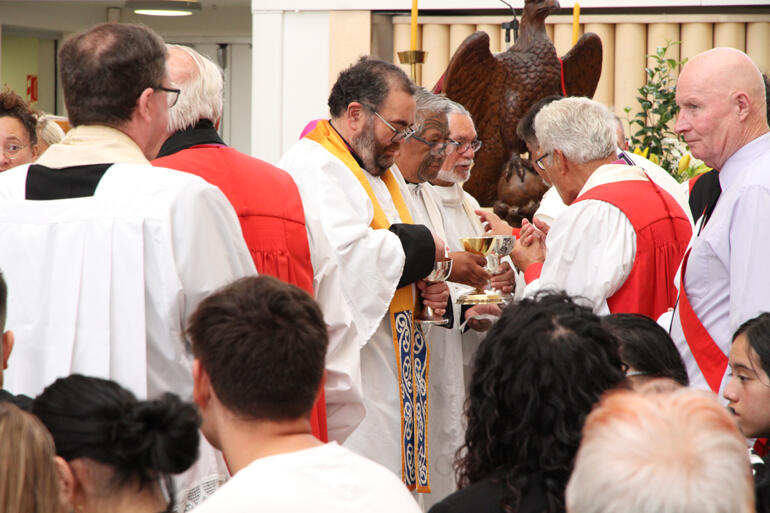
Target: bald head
{"type": "Point", "coordinates": [721, 95]}
{"type": "Point", "coordinates": [202, 87]}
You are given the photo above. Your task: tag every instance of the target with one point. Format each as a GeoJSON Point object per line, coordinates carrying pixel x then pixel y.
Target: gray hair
{"type": "Point", "coordinates": [677, 452]}
{"type": "Point", "coordinates": [202, 93]}
{"type": "Point", "coordinates": [428, 102]}
{"type": "Point", "coordinates": [49, 130]}
{"type": "Point", "coordinates": [456, 108]}
{"type": "Point", "coordinates": [582, 129]}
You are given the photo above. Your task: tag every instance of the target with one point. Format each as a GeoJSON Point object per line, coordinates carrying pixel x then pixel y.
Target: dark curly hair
{"type": "Point", "coordinates": [368, 81]}
{"type": "Point", "coordinates": [13, 105]}
{"type": "Point", "coordinates": [142, 441]}
{"type": "Point", "coordinates": [537, 374]}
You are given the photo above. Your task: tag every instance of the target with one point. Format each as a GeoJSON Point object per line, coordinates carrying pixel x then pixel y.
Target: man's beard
{"type": "Point", "coordinates": [453, 176]}
{"type": "Point", "coordinates": [371, 153]}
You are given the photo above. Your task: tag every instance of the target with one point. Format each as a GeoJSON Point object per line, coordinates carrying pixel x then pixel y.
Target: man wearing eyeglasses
{"type": "Point", "coordinates": [369, 260]}
{"type": "Point", "coordinates": [109, 255]}
{"type": "Point", "coordinates": [620, 241]}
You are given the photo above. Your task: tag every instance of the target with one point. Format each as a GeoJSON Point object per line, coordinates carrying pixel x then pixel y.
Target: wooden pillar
{"type": "Point", "coordinates": [696, 38]}
{"type": "Point", "coordinates": [731, 35]}
{"type": "Point", "coordinates": [661, 34]}
{"type": "Point", "coordinates": [549, 29]}
{"type": "Point", "coordinates": [630, 59]}
{"type": "Point", "coordinates": [435, 41]}
{"type": "Point", "coordinates": [605, 89]}
{"type": "Point", "coordinates": [457, 34]}
{"type": "Point", "coordinates": [357, 27]}
{"type": "Point", "coordinates": [562, 38]}
{"type": "Point", "coordinates": [758, 44]}
{"type": "Point", "coordinates": [401, 37]}
{"type": "Point", "coordinates": [494, 36]}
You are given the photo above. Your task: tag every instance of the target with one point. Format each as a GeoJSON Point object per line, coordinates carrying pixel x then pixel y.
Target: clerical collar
{"type": "Point", "coordinates": [202, 133]}
{"type": "Point", "coordinates": [358, 159]}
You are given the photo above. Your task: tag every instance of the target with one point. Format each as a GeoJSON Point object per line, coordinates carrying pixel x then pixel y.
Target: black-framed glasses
{"type": "Point", "coordinates": [11, 150]}
{"type": "Point", "coordinates": [398, 135]}
{"type": "Point", "coordinates": [172, 95]}
{"type": "Point", "coordinates": [474, 145]}
{"type": "Point", "coordinates": [539, 163]}
{"type": "Point", "coordinates": [436, 148]}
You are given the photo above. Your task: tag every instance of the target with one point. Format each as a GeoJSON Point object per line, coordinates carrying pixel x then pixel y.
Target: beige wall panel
{"type": "Point", "coordinates": [435, 41]}
{"type": "Point", "coordinates": [549, 29]}
{"type": "Point", "coordinates": [732, 35]}
{"type": "Point", "coordinates": [660, 34]}
{"type": "Point", "coordinates": [494, 36]}
{"type": "Point", "coordinates": [457, 34]}
{"type": "Point", "coordinates": [401, 42]}
{"type": "Point", "coordinates": [696, 38]}
{"type": "Point", "coordinates": [758, 44]}
{"type": "Point", "coordinates": [605, 89]}
{"type": "Point", "coordinates": [562, 38]}
{"type": "Point", "coordinates": [631, 39]}
{"type": "Point", "coordinates": [350, 36]}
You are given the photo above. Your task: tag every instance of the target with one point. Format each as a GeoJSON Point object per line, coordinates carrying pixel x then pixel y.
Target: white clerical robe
{"type": "Point", "coordinates": [446, 384]}
{"type": "Point", "coordinates": [356, 272]}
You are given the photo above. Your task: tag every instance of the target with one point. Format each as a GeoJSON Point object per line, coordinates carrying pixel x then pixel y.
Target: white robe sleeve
{"type": "Point", "coordinates": [355, 272]}
{"type": "Point", "coordinates": [590, 251]}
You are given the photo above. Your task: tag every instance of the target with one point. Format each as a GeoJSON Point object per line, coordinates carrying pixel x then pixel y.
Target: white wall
{"type": "Point", "coordinates": [290, 75]}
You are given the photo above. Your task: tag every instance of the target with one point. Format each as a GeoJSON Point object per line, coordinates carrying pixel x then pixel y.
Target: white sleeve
{"type": "Point", "coordinates": [208, 245]}
{"type": "Point", "coordinates": [590, 251]}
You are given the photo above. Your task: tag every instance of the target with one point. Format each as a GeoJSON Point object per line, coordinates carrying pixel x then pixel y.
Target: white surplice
{"type": "Point", "coordinates": [446, 384]}
{"type": "Point", "coordinates": [356, 272]}
{"type": "Point", "coordinates": [103, 285]}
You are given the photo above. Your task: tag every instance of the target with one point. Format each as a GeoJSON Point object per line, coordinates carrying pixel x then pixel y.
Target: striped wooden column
{"type": "Point", "coordinates": [605, 88]}
{"type": "Point", "coordinates": [758, 44]}
{"type": "Point", "coordinates": [457, 34]}
{"type": "Point", "coordinates": [731, 35]}
{"type": "Point", "coordinates": [435, 41]}
{"type": "Point", "coordinates": [696, 38]}
{"type": "Point", "coordinates": [630, 60]}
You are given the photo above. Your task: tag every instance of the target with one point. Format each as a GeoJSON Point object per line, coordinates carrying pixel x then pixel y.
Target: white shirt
{"type": "Point", "coordinates": [324, 479]}
{"type": "Point", "coordinates": [356, 270]}
{"type": "Point", "coordinates": [591, 246]}
{"type": "Point", "coordinates": [728, 273]}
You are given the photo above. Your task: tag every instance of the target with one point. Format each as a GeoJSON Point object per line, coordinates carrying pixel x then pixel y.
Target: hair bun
{"type": "Point", "coordinates": [158, 436]}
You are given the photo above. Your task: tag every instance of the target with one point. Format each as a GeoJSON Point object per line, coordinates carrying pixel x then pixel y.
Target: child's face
{"type": "Point", "coordinates": [748, 390]}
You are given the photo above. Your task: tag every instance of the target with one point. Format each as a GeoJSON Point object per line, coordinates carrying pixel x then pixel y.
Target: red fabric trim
{"type": "Point", "coordinates": [561, 75]}
{"type": "Point", "coordinates": [691, 182]}
{"type": "Point", "coordinates": [516, 232]}
{"type": "Point", "coordinates": [532, 272]}
{"type": "Point", "coordinates": [711, 361]}
{"type": "Point", "coordinates": [663, 232]}
{"type": "Point", "coordinates": [761, 447]}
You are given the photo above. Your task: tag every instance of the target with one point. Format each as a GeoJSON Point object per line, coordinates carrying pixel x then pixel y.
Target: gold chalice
{"type": "Point", "coordinates": [485, 247]}
{"type": "Point", "coordinates": [441, 271]}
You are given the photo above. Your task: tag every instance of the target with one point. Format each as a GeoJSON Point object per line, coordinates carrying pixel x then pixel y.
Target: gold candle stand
{"type": "Point", "coordinates": [413, 58]}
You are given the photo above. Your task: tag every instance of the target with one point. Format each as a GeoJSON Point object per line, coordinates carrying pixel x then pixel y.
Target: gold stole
{"type": "Point", "coordinates": [412, 353]}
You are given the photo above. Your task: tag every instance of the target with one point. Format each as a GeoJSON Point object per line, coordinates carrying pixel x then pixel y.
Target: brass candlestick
{"type": "Point", "coordinates": [413, 58]}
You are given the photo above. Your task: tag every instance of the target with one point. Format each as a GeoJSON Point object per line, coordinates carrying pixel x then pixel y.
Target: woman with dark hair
{"type": "Point", "coordinates": [748, 392]}
{"type": "Point", "coordinates": [118, 451]}
{"type": "Point", "coordinates": [18, 131]}
{"type": "Point", "coordinates": [537, 374]}
{"type": "Point", "coordinates": [646, 349]}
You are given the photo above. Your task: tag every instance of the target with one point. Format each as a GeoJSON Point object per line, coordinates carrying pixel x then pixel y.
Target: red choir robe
{"type": "Point", "coordinates": [269, 209]}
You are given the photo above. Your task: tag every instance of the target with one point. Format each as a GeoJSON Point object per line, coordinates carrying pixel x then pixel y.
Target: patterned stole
{"type": "Point", "coordinates": [412, 353]}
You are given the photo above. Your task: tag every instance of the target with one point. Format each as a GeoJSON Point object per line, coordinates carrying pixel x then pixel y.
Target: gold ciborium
{"type": "Point", "coordinates": [441, 271]}
{"type": "Point", "coordinates": [485, 247]}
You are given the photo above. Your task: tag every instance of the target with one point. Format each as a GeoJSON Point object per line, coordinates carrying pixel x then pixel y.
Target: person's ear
{"type": "Point", "coordinates": [743, 104]}
{"type": "Point", "coordinates": [201, 385]}
{"type": "Point", "coordinates": [561, 161]}
{"type": "Point", "coordinates": [67, 483]}
{"type": "Point", "coordinates": [8, 341]}
{"type": "Point", "coordinates": [143, 104]}
{"type": "Point", "coordinates": [355, 117]}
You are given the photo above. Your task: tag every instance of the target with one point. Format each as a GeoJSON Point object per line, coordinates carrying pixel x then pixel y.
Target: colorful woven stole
{"type": "Point", "coordinates": [412, 353]}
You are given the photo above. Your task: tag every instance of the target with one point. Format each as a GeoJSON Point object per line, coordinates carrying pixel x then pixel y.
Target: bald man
{"type": "Point", "coordinates": [725, 274]}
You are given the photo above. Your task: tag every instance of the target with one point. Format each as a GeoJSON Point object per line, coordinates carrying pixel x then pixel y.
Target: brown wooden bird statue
{"type": "Point", "coordinates": [499, 89]}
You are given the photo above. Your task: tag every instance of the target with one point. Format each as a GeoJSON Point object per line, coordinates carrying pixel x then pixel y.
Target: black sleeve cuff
{"type": "Point", "coordinates": [419, 249]}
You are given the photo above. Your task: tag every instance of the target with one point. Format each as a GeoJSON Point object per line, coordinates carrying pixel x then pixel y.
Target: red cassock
{"type": "Point", "coordinates": [270, 211]}
{"type": "Point", "coordinates": [663, 232]}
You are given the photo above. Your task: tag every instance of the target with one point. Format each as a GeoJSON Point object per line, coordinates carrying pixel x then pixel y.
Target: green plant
{"type": "Point", "coordinates": [650, 128]}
